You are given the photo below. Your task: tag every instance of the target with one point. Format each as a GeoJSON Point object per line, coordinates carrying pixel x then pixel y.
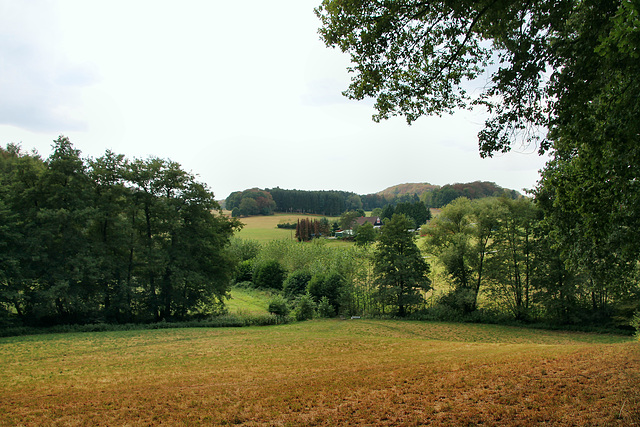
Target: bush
{"type": "Point", "coordinates": [278, 306]}
{"type": "Point", "coordinates": [325, 309]}
{"type": "Point", "coordinates": [459, 299]}
{"type": "Point", "coordinates": [329, 286]}
{"type": "Point", "coordinates": [244, 271]}
{"type": "Point", "coordinates": [305, 308]}
{"type": "Point", "coordinates": [269, 275]}
{"type": "Point", "coordinates": [296, 283]}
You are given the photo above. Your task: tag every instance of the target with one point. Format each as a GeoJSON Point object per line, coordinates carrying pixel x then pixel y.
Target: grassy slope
{"type": "Point", "coordinates": [248, 301]}
{"type": "Point", "coordinates": [327, 372]}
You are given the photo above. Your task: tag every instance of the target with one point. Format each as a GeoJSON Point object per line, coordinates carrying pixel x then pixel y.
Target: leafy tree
{"type": "Point", "coordinates": [244, 271]}
{"type": "Point", "coordinates": [415, 59]}
{"type": "Point", "coordinates": [366, 234]}
{"type": "Point", "coordinates": [348, 219]}
{"type": "Point", "coordinates": [353, 202]}
{"type": "Point", "coordinates": [513, 263]}
{"type": "Point", "coordinates": [296, 283]}
{"type": "Point", "coordinates": [250, 202]}
{"type": "Point", "coordinates": [325, 309]}
{"type": "Point", "coordinates": [326, 285]}
{"type": "Point", "coordinates": [387, 212]}
{"type": "Point", "coordinates": [248, 206]}
{"type": "Point", "coordinates": [269, 275]}
{"type": "Point", "coordinates": [401, 271]}
{"type": "Point", "coordinates": [460, 237]}
{"type": "Point", "coordinates": [562, 75]}
{"type": "Point", "coordinates": [108, 239]}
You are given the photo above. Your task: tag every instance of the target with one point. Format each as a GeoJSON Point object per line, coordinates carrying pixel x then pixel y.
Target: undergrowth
{"type": "Point", "coordinates": [224, 321]}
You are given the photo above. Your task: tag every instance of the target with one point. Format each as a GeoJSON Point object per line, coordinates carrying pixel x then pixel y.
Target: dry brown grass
{"type": "Point", "coordinates": [322, 373]}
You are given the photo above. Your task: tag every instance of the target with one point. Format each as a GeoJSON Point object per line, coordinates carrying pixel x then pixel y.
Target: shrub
{"type": "Point", "coordinates": [329, 286]}
{"type": "Point", "coordinates": [244, 271]}
{"type": "Point", "coordinates": [325, 309]}
{"type": "Point", "coordinates": [305, 308]}
{"type": "Point", "coordinates": [278, 306]}
{"type": "Point", "coordinates": [269, 275]}
{"type": "Point", "coordinates": [296, 283]}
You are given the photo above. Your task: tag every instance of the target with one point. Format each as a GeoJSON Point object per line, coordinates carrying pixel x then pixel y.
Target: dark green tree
{"type": "Point", "coordinates": [305, 308]}
{"type": "Point", "coordinates": [296, 283]}
{"type": "Point", "coordinates": [269, 275]}
{"type": "Point", "coordinates": [461, 236]}
{"type": "Point", "coordinates": [401, 273]}
{"type": "Point", "coordinates": [327, 285]}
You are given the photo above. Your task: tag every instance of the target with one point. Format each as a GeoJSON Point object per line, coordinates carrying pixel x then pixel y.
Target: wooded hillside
{"type": "Point", "coordinates": [334, 203]}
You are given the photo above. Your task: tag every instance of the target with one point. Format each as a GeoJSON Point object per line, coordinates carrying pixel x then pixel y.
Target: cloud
{"type": "Point", "coordinates": [40, 89]}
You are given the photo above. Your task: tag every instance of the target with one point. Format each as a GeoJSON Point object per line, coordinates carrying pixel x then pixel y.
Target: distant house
{"type": "Point", "coordinates": [374, 220]}
{"type": "Point", "coordinates": [344, 233]}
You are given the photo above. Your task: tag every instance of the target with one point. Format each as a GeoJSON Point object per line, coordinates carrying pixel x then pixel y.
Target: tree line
{"type": "Point", "coordinates": [561, 77]}
{"type": "Point", "coordinates": [485, 260]}
{"type": "Point", "coordinates": [107, 239]}
{"type": "Point", "coordinates": [333, 203]}
{"type": "Point", "coordinates": [501, 255]}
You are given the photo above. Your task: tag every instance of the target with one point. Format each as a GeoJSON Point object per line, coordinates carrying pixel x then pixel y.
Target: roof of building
{"type": "Point", "coordinates": [374, 220]}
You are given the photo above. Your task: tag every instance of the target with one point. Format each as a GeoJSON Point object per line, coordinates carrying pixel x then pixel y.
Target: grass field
{"type": "Point", "coordinates": [265, 228]}
{"type": "Point", "coordinates": [330, 372]}
{"type": "Point", "coordinates": [248, 300]}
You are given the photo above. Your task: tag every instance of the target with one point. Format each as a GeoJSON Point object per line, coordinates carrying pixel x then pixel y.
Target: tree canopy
{"type": "Point", "coordinates": [108, 239]}
{"type": "Point", "coordinates": [560, 74]}
{"type": "Point", "coordinates": [401, 271]}
{"type": "Point", "coordinates": [545, 60]}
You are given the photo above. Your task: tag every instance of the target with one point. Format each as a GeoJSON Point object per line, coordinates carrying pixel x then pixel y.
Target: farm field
{"type": "Point", "coordinates": [265, 228]}
{"type": "Point", "coordinates": [322, 372]}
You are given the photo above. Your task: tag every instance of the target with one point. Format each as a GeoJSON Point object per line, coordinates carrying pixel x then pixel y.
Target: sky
{"type": "Point", "coordinates": [242, 94]}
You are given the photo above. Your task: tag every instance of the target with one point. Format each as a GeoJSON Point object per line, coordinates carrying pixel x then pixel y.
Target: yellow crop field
{"type": "Point", "coordinates": [322, 372]}
{"type": "Point", "coordinates": [265, 228]}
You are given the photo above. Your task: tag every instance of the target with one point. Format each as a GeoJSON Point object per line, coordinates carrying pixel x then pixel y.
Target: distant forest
{"type": "Point", "coordinates": [333, 203]}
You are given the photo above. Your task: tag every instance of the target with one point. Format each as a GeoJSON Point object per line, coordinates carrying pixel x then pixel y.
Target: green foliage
{"type": "Point", "coordinates": [416, 210]}
{"type": "Point", "coordinates": [244, 249]}
{"type": "Point", "coordinates": [366, 234]}
{"type": "Point", "coordinates": [401, 271]}
{"type": "Point", "coordinates": [108, 239]}
{"type": "Point", "coordinates": [635, 323]}
{"type": "Point", "coordinates": [244, 271]}
{"type": "Point", "coordinates": [250, 202]}
{"type": "Point", "coordinates": [296, 283]}
{"type": "Point", "coordinates": [269, 275]}
{"type": "Point", "coordinates": [305, 308]}
{"type": "Point", "coordinates": [331, 203]}
{"type": "Point", "coordinates": [278, 306]}
{"type": "Point", "coordinates": [325, 308]}
{"type": "Point", "coordinates": [348, 220]}
{"type": "Point", "coordinates": [327, 286]}
{"type": "Point", "coordinates": [562, 76]}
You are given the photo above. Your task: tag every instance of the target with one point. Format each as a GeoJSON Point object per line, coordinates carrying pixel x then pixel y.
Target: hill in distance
{"type": "Point", "coordinates": [408, 188]}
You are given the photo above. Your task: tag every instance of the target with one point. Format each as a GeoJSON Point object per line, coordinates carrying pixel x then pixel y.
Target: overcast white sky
{"type": "Point", "coordinates": [243, 94]}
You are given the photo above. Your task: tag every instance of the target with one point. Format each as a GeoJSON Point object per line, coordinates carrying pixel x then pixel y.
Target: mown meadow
{"type": "Point", "coordinates": [322, 372]}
